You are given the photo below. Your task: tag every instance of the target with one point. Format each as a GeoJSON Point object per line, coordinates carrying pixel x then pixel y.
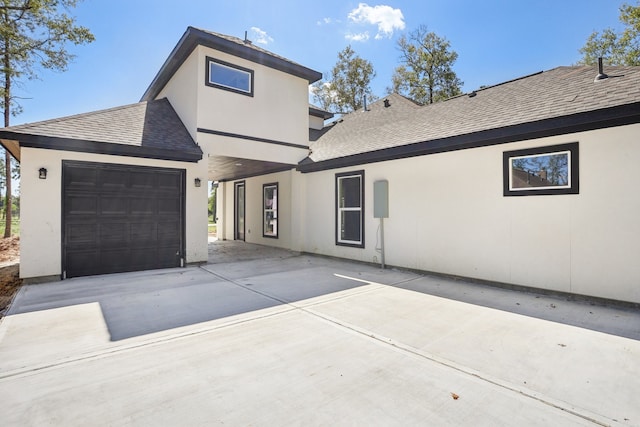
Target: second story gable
{"type": "Point", "coordinates": [226, 86]}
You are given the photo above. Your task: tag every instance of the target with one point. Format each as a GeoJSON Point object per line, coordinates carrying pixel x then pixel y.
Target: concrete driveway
{"type": "Point", "coordinates": [302, 340]}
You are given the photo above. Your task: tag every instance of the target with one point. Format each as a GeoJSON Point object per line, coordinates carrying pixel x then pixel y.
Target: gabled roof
{"type": "Point", "coordinates": [228, 44]}
{"type": "Point", "coordinates": [562, 100]}
{"type": "Point", "coordinates": [146, 129]}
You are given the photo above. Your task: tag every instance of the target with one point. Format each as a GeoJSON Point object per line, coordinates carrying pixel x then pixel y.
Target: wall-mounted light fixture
{"type": "Point", "coordinates": [42, 173]}
{"type": "Point", "coordinates": [197, 182]}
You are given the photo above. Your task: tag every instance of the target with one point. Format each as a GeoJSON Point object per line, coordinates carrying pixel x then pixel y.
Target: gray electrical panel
{"type": "Point", "coordinates": [381, 199]}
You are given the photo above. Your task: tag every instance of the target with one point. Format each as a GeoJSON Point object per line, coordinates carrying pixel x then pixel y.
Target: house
{"type": "Point", "coordinates": [440, 185]}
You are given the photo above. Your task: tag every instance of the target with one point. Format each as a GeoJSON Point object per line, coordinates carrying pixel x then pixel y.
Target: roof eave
{"type": "Point", "coordinates": [12, 146]}
{"type": "Point", "coordinates": [194, 37]}
{"type": "Point", "coordinates": [590, 120]}
{"type": "Point", "coordinates": [95, 147]}
{"type": "Point", "coordinates": [317, 112]}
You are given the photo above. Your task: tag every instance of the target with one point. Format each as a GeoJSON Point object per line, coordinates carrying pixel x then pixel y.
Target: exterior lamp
{"type": "Point", "coordinates": [197, 182]}
{"type": "Point", "coordinates": [42, 173]}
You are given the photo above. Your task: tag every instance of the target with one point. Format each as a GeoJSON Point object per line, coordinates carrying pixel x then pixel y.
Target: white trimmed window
{"type": "Point", "coordinates": [350, 209]}
{"type": "Point", "coordinates": [223, 75]}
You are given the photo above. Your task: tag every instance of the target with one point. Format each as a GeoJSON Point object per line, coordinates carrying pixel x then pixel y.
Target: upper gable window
{"type": "Point", "coordinates": [224, 75]}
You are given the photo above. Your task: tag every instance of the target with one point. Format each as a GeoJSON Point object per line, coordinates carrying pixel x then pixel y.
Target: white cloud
{"type": "Point", "coordinates": [385, 17]}
{"type": "Point", "coordinates": [360, 37]}
{"type": "Point", "coordinates": [328, 21]}
{"type": "Point", "coordinates": [261, 36]}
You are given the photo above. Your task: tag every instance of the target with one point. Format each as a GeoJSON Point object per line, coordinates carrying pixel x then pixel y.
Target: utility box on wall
{"type": "Point", "coordinates": [381, 199]}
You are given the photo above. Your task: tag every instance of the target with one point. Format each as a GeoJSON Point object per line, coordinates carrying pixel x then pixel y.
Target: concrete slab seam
{"type": "Point", "coordinates": [352, 292]}
{"type": "Point", "coordinates": [555, 403]}
{"type": "Point", "coordinates": [100, 354]}
{"type": "Point", "coordinates": [560, 405]}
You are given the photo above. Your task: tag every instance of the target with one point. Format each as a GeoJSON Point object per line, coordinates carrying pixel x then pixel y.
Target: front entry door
{"type": "Point", "coordinates": [239, 210]}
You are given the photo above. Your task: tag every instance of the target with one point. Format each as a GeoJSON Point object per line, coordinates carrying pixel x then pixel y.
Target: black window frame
{"type": "Point", "coordinates": [572, 187]}
{"type": "Point", "coordinates": [210, 83]}
{"type": "Point", "coordinates": [338, 223]}
{"type": "Point", "coordinates": [273, 209]}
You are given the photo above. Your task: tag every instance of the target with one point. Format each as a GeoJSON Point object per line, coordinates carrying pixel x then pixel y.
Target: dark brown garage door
{"type": "Point", "coordinates": [120, 218]}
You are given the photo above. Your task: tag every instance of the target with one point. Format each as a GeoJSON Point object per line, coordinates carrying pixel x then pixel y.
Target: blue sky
{"type": "Point", "coordinates": [496, 40]}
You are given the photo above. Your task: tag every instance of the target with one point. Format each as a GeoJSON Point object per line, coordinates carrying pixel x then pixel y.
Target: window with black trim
{"type": "Point", "coordinates": [223, 75]}
{"type": "Point", "coordinates": [350, 209]}
{"type": "Point", "coordinates": [544, 170]}
{"type": "Point", "coordinates": [270, 210]}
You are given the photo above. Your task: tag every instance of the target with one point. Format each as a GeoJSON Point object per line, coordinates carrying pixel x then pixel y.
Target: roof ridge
{"type": "Point", "coordinates": [417, 104]}
{"type": "Point", "coordinates": [510, 81]}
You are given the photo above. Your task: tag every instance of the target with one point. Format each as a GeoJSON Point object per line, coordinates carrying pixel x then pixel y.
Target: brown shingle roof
{"type": "Point", "coordinates": [560, 92]}
{"type": "Point", "coordinates": [146, 129]}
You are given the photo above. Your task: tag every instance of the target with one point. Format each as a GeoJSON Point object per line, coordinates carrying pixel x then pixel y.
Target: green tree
{"type": "Point", "coordinates": [15, 175]}
{"type": "Point", "coordinates": [426, 74]}
{"type": "Point", "coordinates": [616, 48]}
{"type": "Point", "coordinates": [350, 83]}
{"type": "Point", "coordinates": [34, 35]}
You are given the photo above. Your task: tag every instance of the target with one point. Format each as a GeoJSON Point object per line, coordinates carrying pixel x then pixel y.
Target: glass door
{"type": "Point", "coordinates": [239, 210]}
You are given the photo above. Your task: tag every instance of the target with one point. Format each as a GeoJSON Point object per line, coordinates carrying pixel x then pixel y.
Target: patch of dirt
{"type": "Point", "coordinates": [10, 249]}
{"type": "Point", "coordinates": [10, 280]}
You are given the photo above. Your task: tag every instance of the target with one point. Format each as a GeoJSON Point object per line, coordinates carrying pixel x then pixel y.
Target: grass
{"type": "Point", "coordinates": [15, 226]}
{"type": "Point", "coordinates": [212, 228]}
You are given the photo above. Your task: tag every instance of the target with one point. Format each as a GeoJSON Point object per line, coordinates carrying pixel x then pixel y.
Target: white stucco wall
{"type": "Point", "coordinates": [182, 92]}
{"type": "Point", "coordinates": [278, 109]}
{"type": "Point", "coordinates": [254, 212]}
{"type": "Point", "coordinates": [316, 122]}
{"type": "Point", "coordinates": [448, 215]}
{"type": "Point", "coordinates": [216, 145]}
{"type": "Point", "coordinates": [41, 222]}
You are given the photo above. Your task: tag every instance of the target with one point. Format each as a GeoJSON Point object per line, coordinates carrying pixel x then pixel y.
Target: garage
{"type": "Point", "coordinates": [119, 218]}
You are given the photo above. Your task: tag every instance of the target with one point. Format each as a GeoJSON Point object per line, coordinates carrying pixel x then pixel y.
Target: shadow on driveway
{"type": "Point", "coordinates": [135, 304]}
{"type": "Point", "coordinates": [242, 278]}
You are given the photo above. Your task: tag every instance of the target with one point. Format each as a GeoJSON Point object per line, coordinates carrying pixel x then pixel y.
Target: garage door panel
{"type": "Point", "coordinates": [143, 257]}
{"type": "Point", "coordinates": [82, 260]}
{"type": "Point", "coordinates": [114, 232]}
{"type": "Point", "coordinates": [167, 231]}
{"type": "Point", "coordinates": [143, 180]}
{"type": "Point", "coordinates": [146, 233]}
{"type": "Point", "coordinates": [82, 204]}
{"type": "Point", "coordinates": [113, 205]}
{"type": "Point", "coordinates": [117, 259]}
{"type": "Point", "coordinates": [169, 182]}
{"type": "Point", "coordinates": [81, 178]}
{"type": "Point", "coordinates": [168, 206]}
{"type": "Point", "coordinates": [128, 218]}
{"type": "Point", "coordinates": [81, 233]}
{"type": "Point", "coordinates": [144, 206]}
{"type": "Point", "coordinates": [113, 179]}
{"type": "Point", "coordinates": [167, 256]}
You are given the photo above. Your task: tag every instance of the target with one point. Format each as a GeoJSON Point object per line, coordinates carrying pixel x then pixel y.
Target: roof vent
{"type": "Point", "coordinates": [472, 94]}
{"type": "Point", "coordinates": [601, 75]}
{"type": "Point", "coordinates": [387, 104]}
{"type": "Point", "coordinates": [246, 39]}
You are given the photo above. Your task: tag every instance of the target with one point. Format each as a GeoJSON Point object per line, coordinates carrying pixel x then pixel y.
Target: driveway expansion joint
{"type": "Point", "coordinates": [415, 352]}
